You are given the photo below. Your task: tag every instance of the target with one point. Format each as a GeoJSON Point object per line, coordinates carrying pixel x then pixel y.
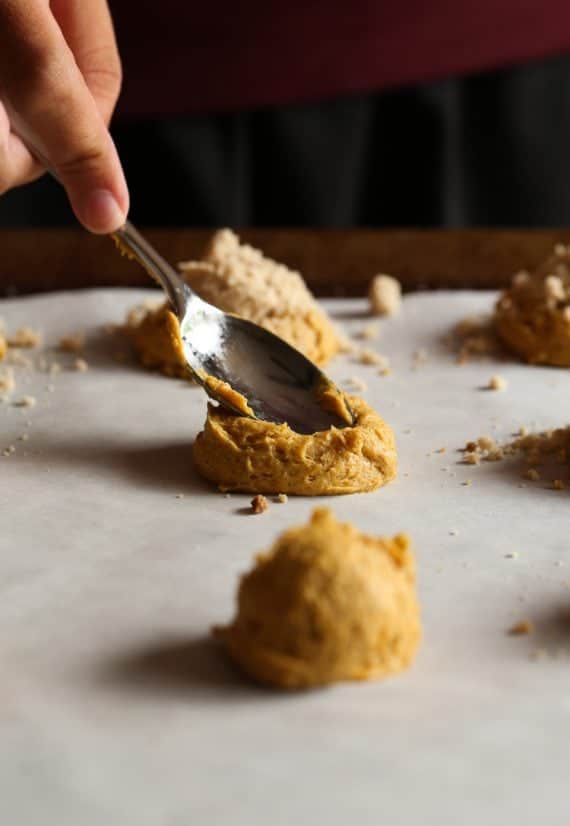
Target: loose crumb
{"type": "Point", "coordinates": [80, 365]}
{"type": "Point", "coordinates": [370, 332]}
{"type": "Point", "coordinates": [512, 555]}
{"type": "Point", "coordinates": [370, 357]}
{"type": "Point", "coordinates": [419, 358]}
{"type": "Point", "coordinates": [24, 437]}
{"type": "Point", "coordinates": [25, 401]}
{"type": "Point", "coordinates": [179, 496]}
{"type": "Point", "coordinates": [259, 504]}
{"type": "Point", "coordinates": [25, 337]}
{"type": "Point", "coordinates": [7, 382]}
{"type": "Point", "coordinates": [558, 484]}
{"type": "Point", "coordinates": [441, 450]}
{"type": "Point", "coordinates": [18, 359]}
{"type": "Point", "coordinates": [358, 384]}
{"type": "Point", "coordinates": [453, 533]}
{"type": "Point", "coordinates": [9, 450]}
{"type": "Point", "coordinates": [72, 343]}
{"type": "Point", "coordinates": [467, 483]}
{"type": "Point", "coordinates": [281, 498]}
{"type": "Point", "coordinates": [54, 368]}
{"type": "Point", "coordinates": [532, 474]}
{"type": "Point", "coordinates": [385, 295]}
{"type": "Point", "coordinates": [497, 383]}
{"type": "Point", "coordinates": [522, 628]}
{"type": "Point", "coordinates": [471, 457]}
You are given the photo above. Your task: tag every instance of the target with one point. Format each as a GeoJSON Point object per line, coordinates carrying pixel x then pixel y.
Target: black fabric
{"type": "Point", "coordinates": [489, 150]}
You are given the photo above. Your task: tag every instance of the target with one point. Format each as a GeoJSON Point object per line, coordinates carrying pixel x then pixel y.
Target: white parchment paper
{"type": "Point", "coordinates": [116, 708]}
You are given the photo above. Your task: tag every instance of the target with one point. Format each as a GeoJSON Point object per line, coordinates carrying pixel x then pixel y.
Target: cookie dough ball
{"type": "Point", "coordinates": [324, 604]}
{"type": "Point", "coordinates": [155, 334]}
{"type": "Point", "coordinates": [532, 317]}
{"type": "Point", "coordinates": [254, 456]}
{"type": "Point", "coordinates": [239, 279]}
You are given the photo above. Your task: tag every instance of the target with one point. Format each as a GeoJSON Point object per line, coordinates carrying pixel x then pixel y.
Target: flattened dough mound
{"type": "Point", "coordinates": [532, 317]}
{"type": "Point", "coordinates": [326, 603]}
{"type": "Point", "coordinates": [239, 279]}
{"type": "Point", "coordinates": [253, 456]}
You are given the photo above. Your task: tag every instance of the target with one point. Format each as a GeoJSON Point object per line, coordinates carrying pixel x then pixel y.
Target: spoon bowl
{"type": "Point", "coordinates": [277, 382]}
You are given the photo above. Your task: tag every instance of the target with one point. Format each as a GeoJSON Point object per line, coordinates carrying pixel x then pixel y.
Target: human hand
{"type": "Point", "coordinates": [60, 77]}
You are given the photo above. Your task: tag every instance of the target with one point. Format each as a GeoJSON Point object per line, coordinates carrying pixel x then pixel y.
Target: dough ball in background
{"type": "Point", "coordinates": [532, 316]}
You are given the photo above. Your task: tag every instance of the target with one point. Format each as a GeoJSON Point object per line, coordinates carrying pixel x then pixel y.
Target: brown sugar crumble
{"type": "Point", "coordinates": [72, 343]}
{"type": "Point", "coordinates": [25, 401]}
{"type": "Point", "coordinates": [474, 336]}
{"type": "Point", "coordinates": [259, 504]}
{"type": "Point", "coordinates": [25, 338]}
{"type": "Point", "coordinates": [522, 628]}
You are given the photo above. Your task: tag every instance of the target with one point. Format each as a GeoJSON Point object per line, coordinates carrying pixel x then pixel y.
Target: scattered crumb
{"type": "Point", "coordinates": [512, 555]}
{"type": "Point", "coordinates": [25, 401]}
{"type": "Point", "coordinates": [538, 654]}
{"type": "Point", "coordinates": [24, 437]}
{"type": "Point", "coordinates": [532, 474]}
{"type": "Point", "coordinates": [179, 496]}
{"type": "Point", "coordinates": [259, 504]}
{"type": "Point", "coordinates": [497, 383]}
{"type": "Point", "coordinates": [72, 343]}
{"type": "Point", "coordinates": [441, 450]}
{"type": "Point", "coordinates": [281, 498]}
{"type": "Point", "coordinates": [486, 443]}
{"type": "Point", "coordinates": [385, 295]}
{"type": "Point", "coordinates": [471, 457]}
{"type": "Point", "coordinates": [18, 359]}
{"type": "Point", "coordinates": [558, 484]}
{"type": "Point", "coordinates": [7, 383]}
{"type": "Point", "coordinates": [9, 450]}
{"type": "Point", "coordinates": [24, 337]}
{"type": "Point", "coordinates": [453, 533]}
{"type": "Point", "coordinates": [467, 483]}
{"type": "Point", "coordinates": [475, 336]}
{"type": "Point", "coordinates": [358, 384]}
{"type": "Point", "coordinates": [522, 431]}
{"type": "Point", "coordinates": [370, 332]}
{"type": "Point", "coordinates": [54, 368]}
{"type": "Point", "coordinates": [371, 357]}
{"type": "Point", "coordinates": [227, 496]}
{"type": "Point", "coordinates": [80, 365]}
{"type": "Point", "coordinates": [522, 628]}
{"type": "Point", "coordinates": [419, 358]}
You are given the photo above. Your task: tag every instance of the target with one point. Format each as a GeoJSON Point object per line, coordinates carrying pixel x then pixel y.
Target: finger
{"type": "Point", "coordinates": [17, 166]}
{"type": "Point", "coordinates": [88, 29]}
{"type": "Point", "coordinates": [51, 107]}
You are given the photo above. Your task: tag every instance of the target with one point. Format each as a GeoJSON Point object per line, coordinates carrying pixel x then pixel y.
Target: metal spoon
{"type": "Point", "coordinates": [279, 383]}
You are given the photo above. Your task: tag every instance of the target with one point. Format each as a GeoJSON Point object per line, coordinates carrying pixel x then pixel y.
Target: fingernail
{"type": "Point", "coordinates": [102, 213]}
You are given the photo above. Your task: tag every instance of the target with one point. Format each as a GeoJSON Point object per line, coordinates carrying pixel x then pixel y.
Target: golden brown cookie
{"type": "Point", "coordinates": [239, 279]}
{"type": "Point", "coordinates": [532, 317]}
{"type": "Point", "coordinates": [242, 454]}
{"type": "Point", "coordinates": [326, 603]}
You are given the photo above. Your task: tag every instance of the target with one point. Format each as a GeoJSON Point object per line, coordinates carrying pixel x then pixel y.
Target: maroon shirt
{"type": "Point", "coordinates": [181, 56]}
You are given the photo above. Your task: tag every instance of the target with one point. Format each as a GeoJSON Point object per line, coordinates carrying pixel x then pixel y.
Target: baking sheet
{"type": "Point", "coordinates": [116, 708]}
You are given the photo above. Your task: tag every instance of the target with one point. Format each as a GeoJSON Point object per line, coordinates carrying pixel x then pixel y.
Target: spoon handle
{"type": "Point", "coordinates": [133, 245]}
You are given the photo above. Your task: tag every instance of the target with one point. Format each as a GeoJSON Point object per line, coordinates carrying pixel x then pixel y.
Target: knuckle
{"type": "Point", "coordinates": [89, 157]}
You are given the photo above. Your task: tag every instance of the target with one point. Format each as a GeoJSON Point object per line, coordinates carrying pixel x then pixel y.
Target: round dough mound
{"type": "Point", "coordinates": [326, 603]}
{"type": "Point", "coordinates": [239, 279]}
{"type": "Point", "coordinates": [532, 317]}
{"type": "Point", "coordinates": [253, 456]}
